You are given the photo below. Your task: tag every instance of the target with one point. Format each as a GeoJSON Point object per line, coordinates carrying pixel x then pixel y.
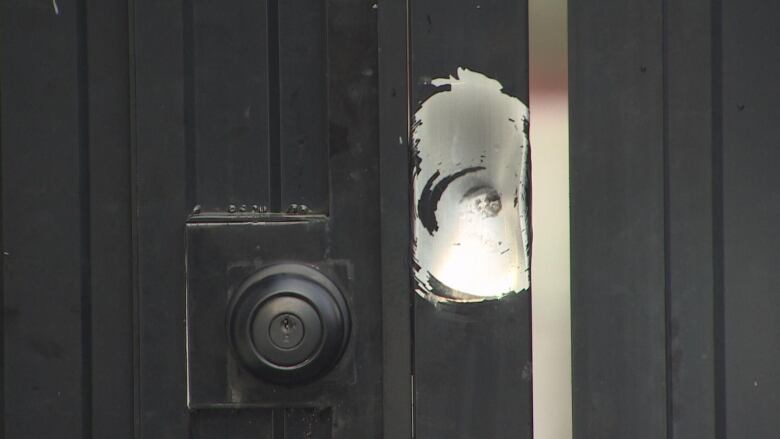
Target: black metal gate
{"type": "Point", "coordinates": [177, 174]}
{"type": "Point", "coordinates": [674, 182]}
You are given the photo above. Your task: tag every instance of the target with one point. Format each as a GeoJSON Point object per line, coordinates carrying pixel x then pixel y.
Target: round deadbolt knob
{"type": "Point", "coordinates": [288, 323]}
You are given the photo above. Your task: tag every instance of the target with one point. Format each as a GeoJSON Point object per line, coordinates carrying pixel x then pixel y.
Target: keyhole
{"type": "Point", "coordinates": [286, 331]}
{"type": "Point", "coordinates": [287, 327]}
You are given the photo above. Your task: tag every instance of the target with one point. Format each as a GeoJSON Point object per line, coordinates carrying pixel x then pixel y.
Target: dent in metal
{"type": "Point", "coordinates": [470, 182]}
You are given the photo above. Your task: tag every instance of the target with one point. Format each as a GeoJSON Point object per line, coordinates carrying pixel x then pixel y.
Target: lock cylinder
{"type": "Point", "coordinates": [288, 324]}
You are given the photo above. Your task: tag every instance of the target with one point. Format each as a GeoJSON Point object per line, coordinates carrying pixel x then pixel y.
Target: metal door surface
{"type": "Point", "coordinates": [210, 224]}
{"type": "Point", "coordinates": [674, 153]}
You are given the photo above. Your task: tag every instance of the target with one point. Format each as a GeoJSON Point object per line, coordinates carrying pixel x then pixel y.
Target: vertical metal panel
{"type": "Point", "coordinates": [751, 211]}
{"type": "Point", "coordinates": [110, 218]}
{"type": "Point", "coordinates": [719, 92]}
{"type": "Point", "coordinates": [471, 361]}
{"type": "Point", "coordinates": [395, 182]}
{"type": "Point", "coordinates": [160, 209]}
{"type": "Point", "coordinates": [690, 282]}
{"type": "Point", "coordinates": [229, 101]}
{"type": "Point", "coordinates": [354, 216]}
{"type": "Point", "coordinates": [45, 224]}
{"type": "Point", "coordinates": [303, 94]}
{"type": "Point", "coordinates": [256, 103]}
{"type": "Point", "coordinates": [101, 171]}
{"type": "Point", "coordinates": [164, 193]}
{"type": "Point", "coordinates": [233, 424]}
{"type": "Point", "coordinates": [617, 208]}
{"type": "Point", "coordinates": [472, 375]}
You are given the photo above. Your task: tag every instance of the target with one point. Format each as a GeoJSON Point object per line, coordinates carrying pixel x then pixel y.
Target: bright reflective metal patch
{"type": "Point", "coordinates": [471, 228]}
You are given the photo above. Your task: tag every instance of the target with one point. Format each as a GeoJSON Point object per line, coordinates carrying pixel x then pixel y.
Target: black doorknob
{"type": "Point", "coordinates": [288, 323]}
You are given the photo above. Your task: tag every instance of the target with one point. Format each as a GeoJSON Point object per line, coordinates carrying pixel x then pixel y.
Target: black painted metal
{"type": "Point", "coordinates": [286, 323]}
{"type": "Point", "coordinates": [617, 223]}
{"type": "Point", "coordinates": [156, 154]}
{"type": "Point", "coordinates": [221, 258]}
{"type": "Point", "coordinates": [248, 238]}
{"type": "Point", "coordinates": [472, 362]}
{"type": "Point", "coordinates": [395, 238]}
{"type": "Point", "coordinates": [673, 157]}
{"type": "Point", "coordinates": [748, 68]}
{"type": "Point", "coordinates": [46, 245]}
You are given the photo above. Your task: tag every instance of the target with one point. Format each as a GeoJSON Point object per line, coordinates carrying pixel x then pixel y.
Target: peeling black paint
{"type": "Point", "coordinates": [431, 194]}
{"type": "Point", "coordinates": [527, 128]}
{"type": "Point", "coordinates": [463, 245]}
{"type": "Point", "coordinates": [441, 289]}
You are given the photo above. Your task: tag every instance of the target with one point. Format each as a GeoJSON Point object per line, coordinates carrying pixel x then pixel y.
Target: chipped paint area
{"type": "Point", "coordinates": [471, 225]}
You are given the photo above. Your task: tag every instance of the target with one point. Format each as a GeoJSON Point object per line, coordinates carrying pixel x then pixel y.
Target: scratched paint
{"type": "Point", "coordinates": [470, 182]}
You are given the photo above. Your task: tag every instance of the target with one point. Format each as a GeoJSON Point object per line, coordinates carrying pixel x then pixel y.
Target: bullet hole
{"type": "Point", "coordinates": [484, 201]}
